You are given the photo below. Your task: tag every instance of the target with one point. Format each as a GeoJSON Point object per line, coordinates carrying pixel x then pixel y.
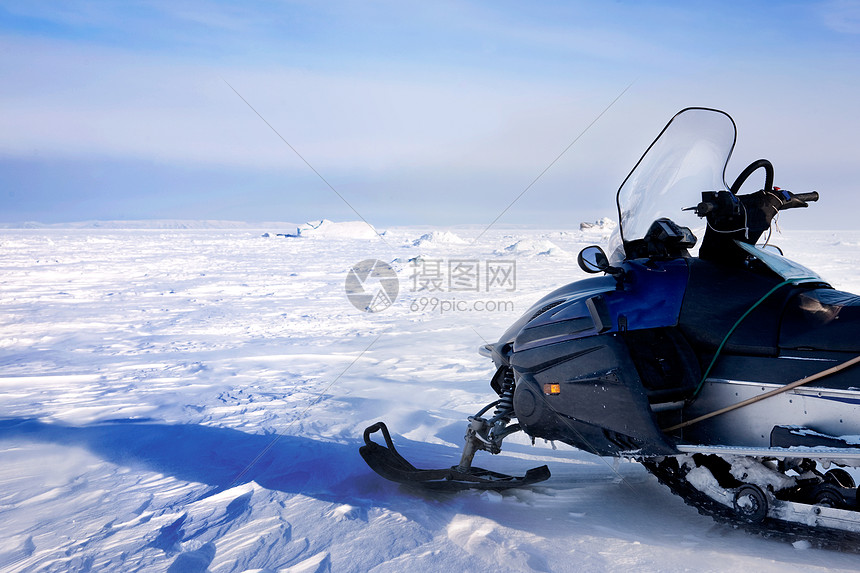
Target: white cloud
{"type": "Point", "coordinates": [483, 95]}
{"type": "Point", "coordinates": [77, 101]}
{"type": "Point", "coordinates": [841, 15]}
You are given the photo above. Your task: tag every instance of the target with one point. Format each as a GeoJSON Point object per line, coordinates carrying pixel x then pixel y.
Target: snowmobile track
{"type": "Point", "coordinates": [820, 537]}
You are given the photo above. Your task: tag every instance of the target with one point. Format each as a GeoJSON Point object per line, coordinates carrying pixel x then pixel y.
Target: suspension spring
{"type": "Point", "coordinates": [505, 407]}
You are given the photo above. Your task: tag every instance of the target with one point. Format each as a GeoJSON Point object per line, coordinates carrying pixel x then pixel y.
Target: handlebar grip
{"type": "Point", "coordinates": [807, 197]}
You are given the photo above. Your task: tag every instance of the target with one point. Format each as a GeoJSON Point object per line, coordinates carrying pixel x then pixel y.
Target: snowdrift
{"type": "Point", "coordinates": [326, 229]}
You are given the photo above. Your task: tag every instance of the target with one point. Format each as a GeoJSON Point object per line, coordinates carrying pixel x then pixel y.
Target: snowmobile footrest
{"type": "Point", "coordinates": [387, 462]}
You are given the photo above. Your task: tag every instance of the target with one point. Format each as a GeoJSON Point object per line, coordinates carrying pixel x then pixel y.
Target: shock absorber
{"type": "Point", "coordinates": [503, 413]}
{"type": "Point", "coordinates": [505, 408]}
{"type": "Point", "coordinates": [484, 434]}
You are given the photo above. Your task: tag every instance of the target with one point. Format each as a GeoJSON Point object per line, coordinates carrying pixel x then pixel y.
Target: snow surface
{"type": "Point", "coordinates": [326, 229]}
{"type": "Point", "coordinates": [438, 238]}
{"type": "Point", "coordinates": [603, 224]}
{"type": "Point", "coordinates": [534, 247]}
{"type": "Point", "coordinates": [193, 400]}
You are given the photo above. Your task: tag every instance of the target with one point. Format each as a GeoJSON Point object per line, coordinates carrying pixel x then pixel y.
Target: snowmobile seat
{"type": "Point", "coordinates": [717, 297]}
{"type": "Point", "coordinates": [821, 319]}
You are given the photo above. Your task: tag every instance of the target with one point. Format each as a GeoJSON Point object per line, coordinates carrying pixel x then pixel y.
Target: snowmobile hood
{"type": "Point", "coordinates": [567, 302]}
{"type": "Point", "coordinates": [650, 298]}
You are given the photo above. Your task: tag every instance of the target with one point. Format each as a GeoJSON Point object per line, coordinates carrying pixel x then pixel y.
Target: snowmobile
{"type": "Point", "coordinates": [724, 368]}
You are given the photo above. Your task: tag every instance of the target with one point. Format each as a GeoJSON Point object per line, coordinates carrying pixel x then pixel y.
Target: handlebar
{"type": "Point", "coordinates": [807, 197]}
{"type": "Point", "coordinates": [732, 217]}
{"type": "Point", "coordinates": [722, 204]}
{"type": "Point", "coordinates": [793, 200]}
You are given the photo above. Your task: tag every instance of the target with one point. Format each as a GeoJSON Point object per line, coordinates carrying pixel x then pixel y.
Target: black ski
{"type": "Point", "coordinates": [387, 462]}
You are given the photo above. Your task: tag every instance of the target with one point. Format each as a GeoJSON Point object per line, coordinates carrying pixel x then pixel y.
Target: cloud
{"type": "Point", "coordinates": [442, 99]}
{"type": "Point", "coordinates": [841, 15]}
{"type": "Point", "coordinates": [70, 100]}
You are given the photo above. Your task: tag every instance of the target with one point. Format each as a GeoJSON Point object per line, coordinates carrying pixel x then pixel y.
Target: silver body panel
{"type": "Point", "coordinates": [835, 412]}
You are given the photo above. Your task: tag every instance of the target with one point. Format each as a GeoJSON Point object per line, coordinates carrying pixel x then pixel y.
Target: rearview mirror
{"type": "Point", "coordinates": [593, 260]}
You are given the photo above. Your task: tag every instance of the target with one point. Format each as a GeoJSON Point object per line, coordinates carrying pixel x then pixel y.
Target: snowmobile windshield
{"type": "Point", "coordinates": [688, 157]}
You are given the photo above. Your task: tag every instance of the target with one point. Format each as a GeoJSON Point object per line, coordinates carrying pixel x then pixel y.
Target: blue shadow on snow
{"type": "Point", "coordinates": [220, 457]}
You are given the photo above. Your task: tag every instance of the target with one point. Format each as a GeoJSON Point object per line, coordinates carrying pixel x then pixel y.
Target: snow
{"type": "Point", "coordinates": [326, 229]}
{"type": "Point", "coordinates": [438, 238]}
{"type": "Point", "coordinates": [194, 399]}
{"type": "Point", "coordinates": [530, 247]}
{"type": "Point", "coordinates": [747, 470]}
{"type": "Point", "coordinates": [604, 224]}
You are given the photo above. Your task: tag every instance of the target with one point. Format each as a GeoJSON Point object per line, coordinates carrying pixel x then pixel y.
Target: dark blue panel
{"type": "Point", "coordinates": [651, 297]}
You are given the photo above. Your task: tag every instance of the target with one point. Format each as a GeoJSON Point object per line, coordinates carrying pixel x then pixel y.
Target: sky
{"type": "Point", "coordinates": [408, 113]}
